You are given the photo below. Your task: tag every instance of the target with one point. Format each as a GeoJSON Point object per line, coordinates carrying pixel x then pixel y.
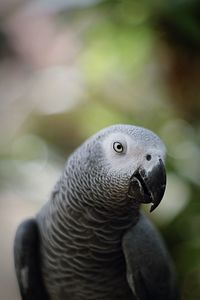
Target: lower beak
{"type": "Point", "coordinates": [149, 187]}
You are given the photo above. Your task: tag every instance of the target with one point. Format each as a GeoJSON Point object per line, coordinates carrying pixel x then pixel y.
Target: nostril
{"type": "Point", "coordinates": [148, 157]}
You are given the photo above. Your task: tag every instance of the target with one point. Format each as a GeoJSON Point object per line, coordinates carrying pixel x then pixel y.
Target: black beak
{"type": "Point", "coordinates": [149, 187]}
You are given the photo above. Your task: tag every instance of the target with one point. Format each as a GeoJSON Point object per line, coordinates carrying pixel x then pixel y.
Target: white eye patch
{"type": "Point", "coordinates": [116, 143]}
{"type": "Point", "coordinates": [118, 150]}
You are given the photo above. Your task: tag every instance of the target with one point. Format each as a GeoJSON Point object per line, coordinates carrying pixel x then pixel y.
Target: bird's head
{"type": "Point", "coordinates": [122, 163]}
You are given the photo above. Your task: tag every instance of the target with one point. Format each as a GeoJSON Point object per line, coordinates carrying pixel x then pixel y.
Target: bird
{"type": "Point", "coordinates": [90, 240]}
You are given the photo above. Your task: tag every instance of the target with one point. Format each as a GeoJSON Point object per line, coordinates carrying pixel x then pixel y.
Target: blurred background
{"type": "Point", "coordinates": [71, 67]}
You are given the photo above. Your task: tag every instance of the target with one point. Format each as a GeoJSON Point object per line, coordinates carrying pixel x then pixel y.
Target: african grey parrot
{"type": "Point", "coordinates": [90, 241]}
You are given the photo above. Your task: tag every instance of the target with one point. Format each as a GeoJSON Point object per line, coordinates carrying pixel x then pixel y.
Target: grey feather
{"type": "Point", "coordinates": [150, 271]}
{"type": "Point", "coordinates": [94, 203]}
{"type": "Point", "coordinates": [27, 262]}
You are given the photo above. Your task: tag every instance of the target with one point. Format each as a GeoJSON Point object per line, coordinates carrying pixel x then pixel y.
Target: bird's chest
{"type": "Point", "coordinates": [88, 267]}
{"type": "Point", "coordinates": [99, 276]}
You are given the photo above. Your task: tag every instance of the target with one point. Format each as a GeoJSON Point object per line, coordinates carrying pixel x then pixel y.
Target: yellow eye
{"type": "Point", "coordinates": [118, 147]}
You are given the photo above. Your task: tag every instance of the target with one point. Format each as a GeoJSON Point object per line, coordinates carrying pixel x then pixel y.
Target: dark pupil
{"type": "Point", "coordinates": [119, 146]}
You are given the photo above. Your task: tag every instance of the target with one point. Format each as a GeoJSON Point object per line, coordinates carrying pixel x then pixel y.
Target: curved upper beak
{"type": "Point", "coordinates": [149, 187]}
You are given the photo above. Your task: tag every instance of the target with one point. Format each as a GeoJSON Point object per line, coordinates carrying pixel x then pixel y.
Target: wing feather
{"type": "Point", "coordinates": [27, 262]}
{"type": "Point", "coordinates": [150, 272]}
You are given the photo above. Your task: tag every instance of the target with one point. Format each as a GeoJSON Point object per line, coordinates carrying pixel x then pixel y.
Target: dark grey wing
{"type": "Point", "coordinates": [150, 273]}
{"type": "Point", "coordinates": [27, 262]}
